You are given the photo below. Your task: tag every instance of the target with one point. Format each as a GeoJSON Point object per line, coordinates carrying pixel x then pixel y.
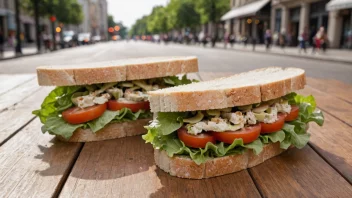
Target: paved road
{"type": "Point", "coordinates": [209, 59]}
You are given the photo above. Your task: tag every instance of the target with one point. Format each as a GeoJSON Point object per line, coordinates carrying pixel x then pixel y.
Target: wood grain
{"type": "Point", "coordinates": [333, 87]}
{"type": "Point", "coordinates": [125, 168]}
{"type": "Point", "coordinates": [18, 115]}
{"type": "Point", "coordinates": [9, 81]}
{"type": "Point", "coordinates": [333, 143]}
{"type": "Point", "coordinates": [331, 104]}
{"type": "Point", "coordinates": [299, 173]}
{"type": "Point", "coordinates": [19, 93]}
{"type": "Point", "coordinates": [33, 164]}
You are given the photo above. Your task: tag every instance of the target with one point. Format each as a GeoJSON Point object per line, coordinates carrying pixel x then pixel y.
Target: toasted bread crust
{"type": "Point", "coordinates": [110, 131]}
{"type": "Point", "coordinates": [204, 99]}
{"type": "Point", "coordinates": [184, 167]}
{"type": "Point", "coordinates": [115, 71]}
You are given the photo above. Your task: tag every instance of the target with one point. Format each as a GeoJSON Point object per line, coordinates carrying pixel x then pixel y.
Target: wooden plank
{"type": "Point", "coordinates": [33, 164]}
{"type": "Point", "coordinates": [299, 173]}
{"type": "Point", "coordinates": [18, 94]}
{"type": "Point", "coordinates": [10, 81]}
{"type": "Point", "coordinates": [331, 104]}
{"type": "Point", "coordinates": [332, 87]}
{"type": "Point", "coordinates": [333, 143]}
{"type": "Point", "coordinates": [125, 167]}
{"type": "Point", "coordinates": [20, 114]}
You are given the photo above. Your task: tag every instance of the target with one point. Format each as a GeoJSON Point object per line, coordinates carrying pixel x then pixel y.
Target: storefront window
{"type": "Point", "coordinates": [277, 20]}
{"type": "Point", "coordinates": [346, 37]}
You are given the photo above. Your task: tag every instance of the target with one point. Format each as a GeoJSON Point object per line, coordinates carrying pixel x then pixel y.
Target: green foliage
{"type": "Point", "coordinates": [140, 27]}
{"type": "Point", "coordinates": [158, 20]}
{"type": "Point", "coordinates": [182, 14]}
{"type": "Point", "coordinates": [67, 11]}
{"type": "Point", "coordinates": [211, 10]}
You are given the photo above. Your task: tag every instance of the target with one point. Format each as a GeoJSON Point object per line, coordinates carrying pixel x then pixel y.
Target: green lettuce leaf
{"type": "Point", "coordinates": [169, 141]}
{"type": "Point", "coordinates": [106, 118]}
{"type": "Point", "coordinates": [295, 132]}
{"type": "Point", "coordinates": [273, 137]}
{"type": "Point", "coordinates": [55, 125]}
{"type": "Point", "coordinates": [170, 122]}
{"type": "Point", "coordinates": [58, 100]}
{"type": "Point", "coordinates": [175, 81]}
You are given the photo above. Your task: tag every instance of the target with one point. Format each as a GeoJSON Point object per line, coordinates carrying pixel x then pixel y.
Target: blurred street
{"type": "Point", "coordinates": [215, 60]}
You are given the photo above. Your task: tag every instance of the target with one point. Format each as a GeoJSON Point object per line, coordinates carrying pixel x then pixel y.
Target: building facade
{"type": "Point", "coordinates": [292, 17]}
{"type": "Point", "coordinates": [248, 19]}
{"type": "Point", "coordinates": [95, 17]}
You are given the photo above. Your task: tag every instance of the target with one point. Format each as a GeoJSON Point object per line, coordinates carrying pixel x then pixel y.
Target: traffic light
{"type": "Point", "coordinates": [58, 29]}
{"type": "Point", "coordinates": [111, 29]}
{"type": "Point", "coordinates": [117, 28]}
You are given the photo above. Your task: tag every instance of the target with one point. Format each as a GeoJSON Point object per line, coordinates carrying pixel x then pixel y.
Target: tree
{"type": "Point", "coordinates": [211, 10]}
{"type": "Point", "coordinates": [182, 14]}
{"type": "Point", "coordinates": [140, 27]}
{"type": "Point", "coordinates": [157, 20]}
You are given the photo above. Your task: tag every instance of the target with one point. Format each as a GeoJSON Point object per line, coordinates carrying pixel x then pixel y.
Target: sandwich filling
{"type": "Point", "coordinates": [68, 108]}
{"type": "Point", "coordinates": [215, 133]}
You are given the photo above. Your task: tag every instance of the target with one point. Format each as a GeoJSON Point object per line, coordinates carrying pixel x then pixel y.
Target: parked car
{"type": "Point", "coordinates": [69, 39]}
{"type": "Point", "coordinates": [84, 38]}
{"type": "Point", "coordinates": [96, 39]}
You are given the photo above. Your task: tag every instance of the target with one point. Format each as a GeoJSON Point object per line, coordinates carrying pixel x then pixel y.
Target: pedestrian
{"type": "Point", "coordinates": [324, 41]}
{"type": "Point", "coordinates": [254, 42]}
{"type": "Point", "coordinates": [232, 40]}
{"type": "Point", "coordinates": [312, 40]}
{"type": "Point", "coordinates": [302, 38]}
{"type": "Point", "coordinates": [226, 39]}
{"type": "Point", "coordinates": [46, 40]}
{"type": "Point", "coordinates": [268, 39]}
{"type": "Point", "coordinates": [319, 39]}
{"type": "Point", "coordinates": [282, 40]}
{"type": "Point", "coordinates": [2, 42]}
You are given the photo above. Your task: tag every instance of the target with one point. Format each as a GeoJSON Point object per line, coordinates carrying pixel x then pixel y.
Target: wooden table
{"type": "Point", "coordinates": [37, 165]}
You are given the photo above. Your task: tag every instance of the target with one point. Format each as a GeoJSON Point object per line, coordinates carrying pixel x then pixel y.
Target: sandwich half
{"type": "Point", "coordinates": [106, 100]}
{"type": "Point", "coordinates": [225, 125]}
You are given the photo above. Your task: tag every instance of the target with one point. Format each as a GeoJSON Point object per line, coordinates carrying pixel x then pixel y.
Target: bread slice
{"type": "Point", "coordinates": [115, 71]}
{"type": "Point", "coordinates": [237, 90]}
{"type": "Point", "coordinates": [184, 167]}
{"type": "Point", "coordinates": [110, 131]}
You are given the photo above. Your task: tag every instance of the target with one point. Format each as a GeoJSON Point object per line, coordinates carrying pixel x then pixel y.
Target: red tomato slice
{"type": "Point", "coordinates": [293, 114]}
{"type": "Point", "coordinates": [194, 141]}
{"type": "Point", "coordinates": [76, 115]}
{"type": "Point", "coordinates": [273, 127]}
{"type": "Point", "coordinates": [248, 134]}
{"type": "Point", "coordinates": [115, 105]}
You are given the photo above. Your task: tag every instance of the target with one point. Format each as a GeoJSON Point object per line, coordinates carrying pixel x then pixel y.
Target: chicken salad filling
{"type": "Point", "coordinates": [201, 135]}
{"type": "Point", "coordinates": [68, 108]}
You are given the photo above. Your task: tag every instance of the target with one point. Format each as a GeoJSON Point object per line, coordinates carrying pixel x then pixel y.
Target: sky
{"type": "Point", "coordinates": [128, 11]}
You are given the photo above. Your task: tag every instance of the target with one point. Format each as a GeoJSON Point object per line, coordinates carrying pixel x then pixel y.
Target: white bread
{"type": "Point", "coordinates": [115, 71]}
{"type": "Point", "coordinates": [184, 167]}
{"type": "Point", "coordinates": [110, 131]}
{"type": "Point", "coordinates": [237, 90]}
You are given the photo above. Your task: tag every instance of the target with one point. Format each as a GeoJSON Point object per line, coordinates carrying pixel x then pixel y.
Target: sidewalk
{"type": "Point", "coordinates": [26, 50]}
{"type": "Point", "coordinates": [334, 55]}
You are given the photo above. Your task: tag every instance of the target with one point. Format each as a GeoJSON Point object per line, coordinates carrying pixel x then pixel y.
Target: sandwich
{"type": "Point", "coordinates": [225, 125]}
{"type": "Point", "coordinates": [106, 100]}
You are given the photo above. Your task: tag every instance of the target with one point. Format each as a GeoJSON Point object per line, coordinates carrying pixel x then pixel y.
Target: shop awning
{"type": "Point", "coordinates": [338, 5]}
{"type": "Point", "coordinates": [246, 10]}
